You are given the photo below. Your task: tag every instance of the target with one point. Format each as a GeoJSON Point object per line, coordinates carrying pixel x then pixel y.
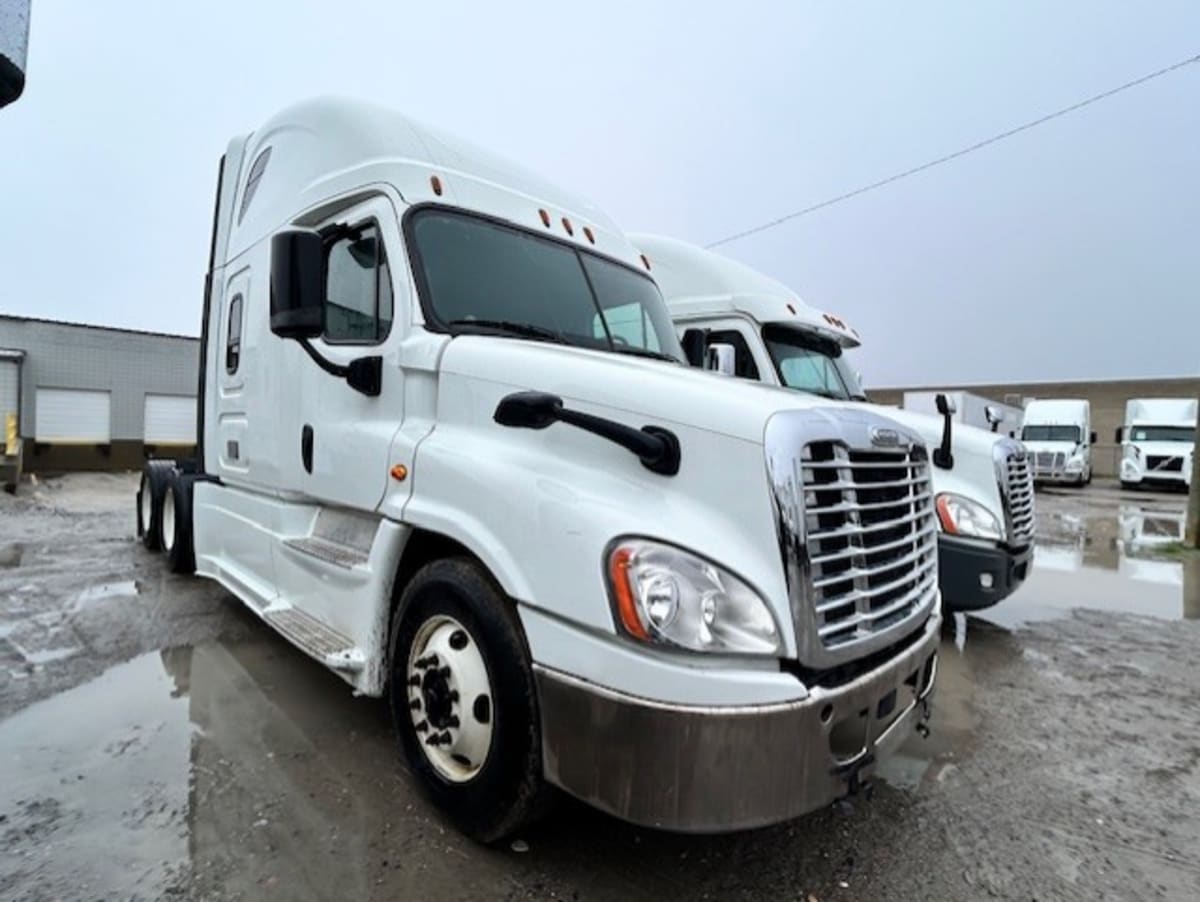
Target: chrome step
{"type": "Point", "coordinates": [322, 642]}
{"type": "Point", "coordinates": [329, 551]}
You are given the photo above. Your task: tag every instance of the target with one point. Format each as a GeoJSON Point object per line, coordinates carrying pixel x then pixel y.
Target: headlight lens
{"type": "Point", "coordinates": [667, 596]}
{"type": "Point", "coordinates": [1132, 452]}
{"type": "Point", "coordinates": [963, 517]}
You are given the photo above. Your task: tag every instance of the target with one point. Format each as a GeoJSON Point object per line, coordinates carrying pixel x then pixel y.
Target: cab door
{"type": "Point", "coordinates": [340, 445]}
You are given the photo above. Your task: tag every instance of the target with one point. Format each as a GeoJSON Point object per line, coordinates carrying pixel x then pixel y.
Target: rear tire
{"type": "Point", "coordinates": [181, 555]}
{"type": "Point", "coordinates": [456, 634]}
{"type": "Point", "coordinates": [156, 476]}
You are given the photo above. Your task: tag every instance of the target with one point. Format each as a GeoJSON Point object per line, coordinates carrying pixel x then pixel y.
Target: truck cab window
{"type": "Point", "coordinates": [811, 363]}
{"type": "Point", "coordinates": [233, 336]}
{"type": "Point", "coordinates": [358, 289]}
{"type": "Point", "coordinates": [477, 275]}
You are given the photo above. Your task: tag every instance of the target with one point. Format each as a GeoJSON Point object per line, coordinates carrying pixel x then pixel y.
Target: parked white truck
{"type": "Point", "coordinates": [450, 449]}
{"type": "Point", "coordinates": [1058, 435]}
{"type": "Point", "coordinates": [984, 496]}
{"type": "Point", "coordinates": [1157, 442]}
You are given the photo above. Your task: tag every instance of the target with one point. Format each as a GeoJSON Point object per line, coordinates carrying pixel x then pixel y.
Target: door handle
{"type": "Point", "coordinates": [306, 447]}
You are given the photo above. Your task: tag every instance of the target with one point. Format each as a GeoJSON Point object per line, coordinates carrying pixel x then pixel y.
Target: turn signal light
{"type": "Point", "coordinates": [618, 574]}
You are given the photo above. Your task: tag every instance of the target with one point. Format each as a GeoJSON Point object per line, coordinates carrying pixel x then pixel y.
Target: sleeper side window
{"type": "Point", "coordinates": [233, 336]}
{"type": "Point", "coordinates": [358, 289]}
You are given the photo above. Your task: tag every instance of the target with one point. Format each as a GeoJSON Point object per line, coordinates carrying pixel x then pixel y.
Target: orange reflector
{"type": "Point", "coordinates": [567, 226]}
{"type": "Point", "coordinates": [646, 262]}
{"type": "Point", "coordinates": [618, 574]}
{"type": "Point", "coordinates": [399, 472]}
{"type": "Point", "coordinates": [587, 230]}
{"type": "Point", "coordinates": [437, 185]}
{"type": "Point", "coordinates": [944, 516]}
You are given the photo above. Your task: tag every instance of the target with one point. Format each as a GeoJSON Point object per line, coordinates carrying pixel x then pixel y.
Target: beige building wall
{"type": "Point", "coordinates": [1107, 399]}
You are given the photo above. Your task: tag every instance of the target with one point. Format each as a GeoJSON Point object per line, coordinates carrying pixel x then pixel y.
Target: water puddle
{"type": "Point", "coordinates": [122, 589]}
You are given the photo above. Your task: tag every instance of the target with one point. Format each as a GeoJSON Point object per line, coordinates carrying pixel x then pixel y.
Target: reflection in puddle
{"type": "Point", "coordinates": [1099, 561]}
{"type": "Point", "coordinates": [122, 589]}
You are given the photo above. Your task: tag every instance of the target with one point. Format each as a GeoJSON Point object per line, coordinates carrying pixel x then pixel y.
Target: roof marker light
{"type": "Point", "coordinates": [437, 185]}
{"type": "Point", "coordinates": [587, 230]}
{"type": "Point", "coordinates": [567, 225]}
{"type": "Point", "coordinates": [791, 308]}
{"type": "Point", "coordinates": [545, 218]}
{"type": "Point", "coordinates": [646, 262]}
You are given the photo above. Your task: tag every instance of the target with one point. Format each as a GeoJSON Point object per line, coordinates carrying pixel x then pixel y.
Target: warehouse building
{"type": "Point", "coordinates": [80, 397]}
{"type": "Point", "coordinates": [1107, 398]}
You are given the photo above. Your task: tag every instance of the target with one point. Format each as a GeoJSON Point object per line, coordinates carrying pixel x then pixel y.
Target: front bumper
{"type": "Point", "coordinates": [715, 769]}
{"type": "Point", "coordinates": [962, 563]}
{"type": "Point", "coordinates": [1133, 473]}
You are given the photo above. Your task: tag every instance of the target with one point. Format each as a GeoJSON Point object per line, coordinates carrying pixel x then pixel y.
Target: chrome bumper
{"type": "Point", "coordinates": [715, 769]}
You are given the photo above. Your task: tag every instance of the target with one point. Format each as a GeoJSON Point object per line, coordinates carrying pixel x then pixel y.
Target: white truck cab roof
{"type": "Point", "coordinates": [699, 283]}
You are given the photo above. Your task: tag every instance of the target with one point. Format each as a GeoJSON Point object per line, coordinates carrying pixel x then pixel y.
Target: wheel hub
{"type": "Point", "coordinates": [449, 698]}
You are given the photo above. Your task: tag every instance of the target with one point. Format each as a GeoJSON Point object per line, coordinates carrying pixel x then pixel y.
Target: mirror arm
{"type": "Point", "coordinates": [364, 374]}
{"type": "Point", "coordinates": [328, 366]}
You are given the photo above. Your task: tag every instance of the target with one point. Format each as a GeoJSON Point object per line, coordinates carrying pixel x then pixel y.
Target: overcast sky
{"type": "Point", "coordinates": [1072, 250]}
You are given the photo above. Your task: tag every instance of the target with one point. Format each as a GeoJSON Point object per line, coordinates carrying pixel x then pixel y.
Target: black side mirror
{"type": "Point", "coordinates": [694, 342]}
{"type": "Point", "coordinates": [297, 283]}
{"type": "Point", "coordinates": [1117, 434]}
{"type": "Point", "coordinates": [942, 455]}
{"type": "Point", "coordinates": [1093, 437]}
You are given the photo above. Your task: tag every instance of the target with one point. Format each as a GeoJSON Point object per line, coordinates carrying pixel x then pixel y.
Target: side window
{"type": "Point", "coordinates": [256, 173]}
{"type": "Point", "coordinates": [358, 289]}
{"type": "Point", "coordinates": [630, 326]}
{"type": "Point", "coordinates": [233, 336]}
{"type": "Point", "coordinates": [746, 367]}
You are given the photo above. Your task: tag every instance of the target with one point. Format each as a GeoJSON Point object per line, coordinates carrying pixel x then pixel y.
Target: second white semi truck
{"type": "Point", "coordinates": [1157, 442]}
{"type": "Point", "coordinates": [981, 481]}
{"type": "Point", "coordinates": [449, 448]}
{"type": "Point", "coordinates": [1058, 433]}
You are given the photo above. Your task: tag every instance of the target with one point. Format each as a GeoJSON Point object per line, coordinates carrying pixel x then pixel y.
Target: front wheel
{"type": "Point", "coordinates": [463, 699]}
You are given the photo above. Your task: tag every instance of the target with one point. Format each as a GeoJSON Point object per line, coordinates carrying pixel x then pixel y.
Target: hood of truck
{"type": "Point", "coordinates": [659, 392]}
{"type": "Point", "coordinates": [1164, 449]}
{"type": "Point", "coordinates": [1067, 448]}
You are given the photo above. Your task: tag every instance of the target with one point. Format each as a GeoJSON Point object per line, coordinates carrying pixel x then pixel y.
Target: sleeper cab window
{"type": "Point", "coordinates": [233, 336]}
{"type": "Point", "coordinates": [358, 289]}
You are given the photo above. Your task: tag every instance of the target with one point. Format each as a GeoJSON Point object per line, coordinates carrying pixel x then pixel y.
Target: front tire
{"type": "Point", "coordinates": [156, 477]}
{"type": "Point", "coordinates": [463, 699]}
{"type": "Point", "coordinates": [177, 527]}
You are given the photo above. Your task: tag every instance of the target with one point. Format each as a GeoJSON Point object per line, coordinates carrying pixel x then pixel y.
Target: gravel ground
{"type": "Point", "coordinates": [159, 742]}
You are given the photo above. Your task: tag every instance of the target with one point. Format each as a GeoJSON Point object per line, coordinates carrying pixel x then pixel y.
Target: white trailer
{"type": "Point", "coordinates": [1157, 442]}
{"type": "Point", "coordinates": [969, 409]}
{"type": "Point", "coordinates": [450, 449]}
{"type": "Point", "coordinates": [769, 334]}
{"type": "Point", "coordinates": [1058, 433]}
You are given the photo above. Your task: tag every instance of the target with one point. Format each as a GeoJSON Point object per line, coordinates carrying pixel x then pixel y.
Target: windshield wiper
{"type": "Point", "coordinates": [523, 330]}
{"type": "Point", "coordinates": [644, 352]}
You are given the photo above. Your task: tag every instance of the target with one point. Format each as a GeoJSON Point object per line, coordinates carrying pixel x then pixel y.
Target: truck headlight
{"type": "Point", "coordinates": [963, 517]}
{"type": "Point", "coordinates": [668, 596]}
{"type": "Point", "coordinates": [1132, 452]}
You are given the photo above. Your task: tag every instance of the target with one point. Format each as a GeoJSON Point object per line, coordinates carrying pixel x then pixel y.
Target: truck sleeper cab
{"type": "Point", "coordinates": [1058, 435]}
{"type": "Point", "coordinates": [1157, 442]}
{"type": "Point", "coordinates": [983, 491]}
{"type": "Point", "coordinates": [451, 451]}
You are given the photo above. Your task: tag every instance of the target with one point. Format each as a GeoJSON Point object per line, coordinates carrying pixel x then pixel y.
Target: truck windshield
{"type": "Point", "coordinates": [1163, 434]}
{"type": "Point", "coordinates": [810, 363]}
{"type": "Point", "coordinates": [476, 276]}
{"type": "Point", "coordinates": [1050, 434]}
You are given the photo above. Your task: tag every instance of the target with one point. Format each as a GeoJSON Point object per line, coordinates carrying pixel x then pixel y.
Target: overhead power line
{"type": "Point", "coordinates": [956, 154]}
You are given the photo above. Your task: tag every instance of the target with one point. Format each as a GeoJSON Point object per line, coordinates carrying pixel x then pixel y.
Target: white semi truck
{"type": "Point", "coordinates": [981, 481]}
{"type": "Point", "coordinates": [450, 449]}
{"type": "Point", "coordinates": [1058, 434]}
{"type": "Point", "coordinates": [1157, 442]}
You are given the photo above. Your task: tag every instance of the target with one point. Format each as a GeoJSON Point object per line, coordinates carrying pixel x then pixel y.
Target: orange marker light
{"type": "Point", "coordinates": [567, 225]}
{"type": "Point", "coordinates": [791, 308]}
{"type": "Point", "coordinates": [618, 574]}
{"type": "Point", "coordinates": [545, 218]}
{"type": "Point", "coordinates": [437, 185]}
{"type": "Point", "coordinates": [646, 262]}
{"type": "Point", "coordinates": [944, 515]}
{"type": "Point", "coordinates": [399, 472]}
{"type": "Point", "coordinates": [587, 230]}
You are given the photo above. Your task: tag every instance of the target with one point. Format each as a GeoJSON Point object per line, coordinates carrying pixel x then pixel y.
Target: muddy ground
{"type": "Point", "coordinates": [157, 741]}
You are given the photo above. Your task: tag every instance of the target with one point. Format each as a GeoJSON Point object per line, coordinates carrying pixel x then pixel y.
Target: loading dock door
{"type": "Point", "coordinates": [170, 420]}
{"type": "Point", "coordinates": [10, 373]}
{"type": "Point", "coordinates": [73, 416]}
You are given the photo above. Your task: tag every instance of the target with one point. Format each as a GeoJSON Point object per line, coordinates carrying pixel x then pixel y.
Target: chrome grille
{"type": "Point", "coordinates": [870, 535]}
{"type": "Point", "coordinates": [1018, 498]}
{"type": "Point", "coordinates": [1048, 462]}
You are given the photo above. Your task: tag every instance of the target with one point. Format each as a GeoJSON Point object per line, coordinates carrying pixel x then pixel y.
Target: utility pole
{"type": "Point", "coordinates": [1191, 532]}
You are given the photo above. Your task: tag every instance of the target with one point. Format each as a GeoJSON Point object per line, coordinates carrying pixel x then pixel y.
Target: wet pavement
{"type": "Point", "coordinates": [159, 742]}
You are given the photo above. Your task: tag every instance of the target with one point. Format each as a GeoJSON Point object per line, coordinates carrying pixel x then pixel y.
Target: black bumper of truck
{"type": "Point", "coordinates": [962, 564]}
